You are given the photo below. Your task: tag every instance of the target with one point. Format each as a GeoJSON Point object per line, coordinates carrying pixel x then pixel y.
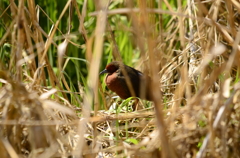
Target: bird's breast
{"type": "Point", "coordinates": [111, 80]}
{"type": "Point", "coordinates": [117, 85]}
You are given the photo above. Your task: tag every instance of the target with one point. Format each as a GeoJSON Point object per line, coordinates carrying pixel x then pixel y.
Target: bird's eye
{"type": "Point", "coordinates": [111, 68]}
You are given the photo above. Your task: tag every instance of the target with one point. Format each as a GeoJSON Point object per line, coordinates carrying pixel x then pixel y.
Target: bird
{"type": "Point", "coordinates": [116, 81]}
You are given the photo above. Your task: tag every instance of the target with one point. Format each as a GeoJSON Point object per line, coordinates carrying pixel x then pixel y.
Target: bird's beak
{"type": "Point", "coordinates": [104, 71]}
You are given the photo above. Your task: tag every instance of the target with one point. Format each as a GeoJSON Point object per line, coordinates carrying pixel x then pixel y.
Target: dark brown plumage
{"type": "Point", "coordinates": [116, 81]}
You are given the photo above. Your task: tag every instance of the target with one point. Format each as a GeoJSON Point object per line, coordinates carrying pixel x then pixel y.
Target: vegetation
{"type": "Point", "coordinates": [53, 103]}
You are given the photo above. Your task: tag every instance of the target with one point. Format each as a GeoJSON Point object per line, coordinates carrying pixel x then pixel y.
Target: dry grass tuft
{"type": "Point", "coordinates": [31, 123]}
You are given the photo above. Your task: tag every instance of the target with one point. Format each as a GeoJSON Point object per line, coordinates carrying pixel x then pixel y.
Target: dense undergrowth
{"type": "Point", "coordinates": [53, 103]}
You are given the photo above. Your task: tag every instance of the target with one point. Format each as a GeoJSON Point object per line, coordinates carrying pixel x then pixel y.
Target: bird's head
{"type": "Point", "coordinates": [111, 68]}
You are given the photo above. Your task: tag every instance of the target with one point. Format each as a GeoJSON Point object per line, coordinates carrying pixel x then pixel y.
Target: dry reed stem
{"type": "Point", "coordinates": [93, 74]}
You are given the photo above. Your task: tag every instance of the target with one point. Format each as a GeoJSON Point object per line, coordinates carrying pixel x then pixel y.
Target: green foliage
{"type": "Point", "coordinates": [5, 54]}
{"type": "Point", "coordinates": [125, 105]}
{"type": "Point", "coordinates": [132, 140]}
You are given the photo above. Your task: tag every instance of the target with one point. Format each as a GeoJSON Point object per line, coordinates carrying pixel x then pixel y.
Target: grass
{"type": "Point", "coordinates": [53, 103]}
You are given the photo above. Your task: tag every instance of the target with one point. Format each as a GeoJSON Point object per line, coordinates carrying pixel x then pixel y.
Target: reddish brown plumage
{"type": "Point", "coordinates": [116, 81]}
